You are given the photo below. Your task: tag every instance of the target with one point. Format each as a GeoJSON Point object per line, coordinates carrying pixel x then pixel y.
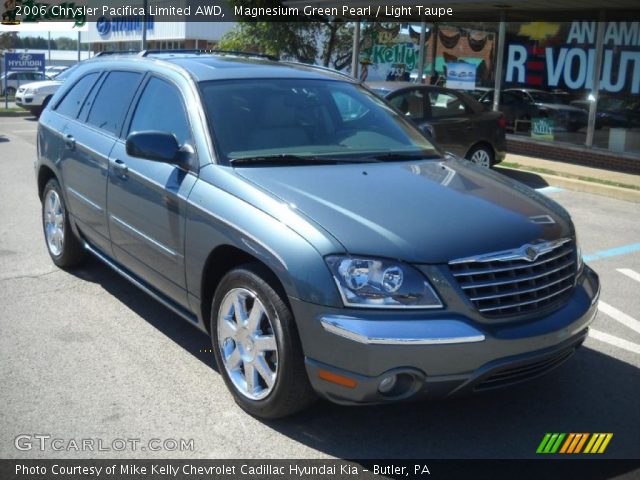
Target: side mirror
{"type": "Point", "coordinates": [153, 145]}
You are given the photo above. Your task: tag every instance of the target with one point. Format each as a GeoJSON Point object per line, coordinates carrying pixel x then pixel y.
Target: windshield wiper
{"type": "Point", "coordinates": [400, 156]}
{"type": "Point", "coordinates": [287, 160]}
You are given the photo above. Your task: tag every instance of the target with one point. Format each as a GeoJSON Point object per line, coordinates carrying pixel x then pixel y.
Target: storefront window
{"type": "Point", "coordinates": [618, 109]}
{"type": "Point", "coordinates": [550, 66]}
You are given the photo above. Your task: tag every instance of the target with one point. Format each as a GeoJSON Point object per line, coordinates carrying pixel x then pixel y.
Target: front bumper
{"type": "Point", "coordinates": [436, 357]}
{"type": "Point", "coordinates": [29, 100]}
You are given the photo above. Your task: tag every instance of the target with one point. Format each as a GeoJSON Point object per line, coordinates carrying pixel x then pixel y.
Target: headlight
{"type": "Point", "coordinates": [377, 283]}
{"type": "Point", "coordinates": [31, 90]}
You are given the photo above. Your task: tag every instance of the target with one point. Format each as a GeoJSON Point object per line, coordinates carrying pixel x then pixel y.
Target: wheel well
{"type": "Point", "coordinates": [44, 175]}
{"type": "Point", "coordinates": [220, 261]}
{"type": "Point", "coordinates": [481, 144]}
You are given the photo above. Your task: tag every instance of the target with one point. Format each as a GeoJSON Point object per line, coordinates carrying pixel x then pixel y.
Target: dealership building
{"type": "Point", "coordinates": [565, 74]}
{"type": "Point", "coordinates": [125, 33]}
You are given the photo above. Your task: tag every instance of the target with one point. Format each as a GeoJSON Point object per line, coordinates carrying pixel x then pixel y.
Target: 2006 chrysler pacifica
{"type": "Point", "coordinates": [322, 241]}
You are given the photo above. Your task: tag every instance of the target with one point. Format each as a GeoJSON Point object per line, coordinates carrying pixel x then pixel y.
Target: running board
{"type": "Point", "coordinates": [178, 310]}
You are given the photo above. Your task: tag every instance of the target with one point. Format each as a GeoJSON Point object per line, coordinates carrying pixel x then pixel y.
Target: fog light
{"type": "Point", "coordinates": [387, 384]}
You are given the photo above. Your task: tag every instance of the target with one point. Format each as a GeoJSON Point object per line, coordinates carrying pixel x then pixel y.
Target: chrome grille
{"type": "Point", "coordinates": [520, 281]}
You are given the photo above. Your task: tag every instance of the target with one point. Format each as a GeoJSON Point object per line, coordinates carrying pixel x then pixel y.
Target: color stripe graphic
{"type": "Point", "coordinates": [573, 443]}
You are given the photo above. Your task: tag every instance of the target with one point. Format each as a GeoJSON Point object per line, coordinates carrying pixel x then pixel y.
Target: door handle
{"type": "Point", "coordinates": [70, 142]}
{"type": "Point", "coordinates": [120, 167]}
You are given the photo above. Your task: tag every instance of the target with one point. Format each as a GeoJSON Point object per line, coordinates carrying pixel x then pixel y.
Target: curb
{"type": "Point", "coordinates": [611, 191]}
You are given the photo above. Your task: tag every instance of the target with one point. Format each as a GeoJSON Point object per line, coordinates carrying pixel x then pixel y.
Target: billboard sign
{"type": "Point", "coordinates": [24, 62]}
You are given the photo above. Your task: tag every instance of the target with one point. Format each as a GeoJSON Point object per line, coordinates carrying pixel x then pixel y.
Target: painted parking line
{"type": "Point", "coordinates": [612, 252]}
{"type": "Point", "coordinates": [550, 189]}
{"type": "Point", "coordinates": [630, 273]}
{"type": "Point", "coordinates": [615, 341]}
{"type": "Point", "coordinates": [619, 316]}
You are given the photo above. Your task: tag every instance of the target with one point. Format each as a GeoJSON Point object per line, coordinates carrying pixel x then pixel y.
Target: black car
{"type": "Point", "coordinates": [454, 120]}
{"type": "Point", "coordinates": [524, 104]}
{"type": "Point", "coordinates": [613, 111]}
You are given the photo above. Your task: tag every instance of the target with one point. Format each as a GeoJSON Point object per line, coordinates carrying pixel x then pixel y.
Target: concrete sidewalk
{"type": "Point", "coordinates": [623, 186]}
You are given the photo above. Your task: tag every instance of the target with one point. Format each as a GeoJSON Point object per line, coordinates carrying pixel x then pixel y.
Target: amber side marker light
{"type": "Point", "coordinates": [338, 379]}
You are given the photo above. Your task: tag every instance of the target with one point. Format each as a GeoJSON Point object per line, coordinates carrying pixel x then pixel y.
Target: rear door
{"type": "Point", "coordinates": [452, 121]}
{"type": "Point", "coordinates": [147, 199]}
{"type": "Point", "coordinates": [88, 140]}
{"type": "Point", "coordinates": [83, 179]}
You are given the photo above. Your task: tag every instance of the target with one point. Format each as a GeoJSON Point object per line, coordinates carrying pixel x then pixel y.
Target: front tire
{"type": "Point", "coordinates": [63, 246]}
{"type": "Point", "coordinates": [256, 345]}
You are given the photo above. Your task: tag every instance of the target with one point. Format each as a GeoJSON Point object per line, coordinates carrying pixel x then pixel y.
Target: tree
{"type": "Point", "coordinates": [295, 40]}
{"type": "Point", "coordinates": [66, 43]}
{"type": "Point", "coordinates": [8, 40]}
{"type": "Point", "coordinates": [303, 40]}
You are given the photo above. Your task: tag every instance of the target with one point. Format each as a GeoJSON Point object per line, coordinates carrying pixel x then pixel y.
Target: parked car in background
{"type": "Point", "coordinates": [478, 92]}
{"type": "Point", "coordinates": [613, 111]}
{"type": "Point", "coordinates": [522, 104]}
{"type": "Point", "coordinates": [9, 82]}
{"type": "Point", "coordinates": [322, 241]}
{"type": "Point", "coordinates": [35, 96]}
{"type": "Point", "coordinates": [452, 119]}
{"type": "Point", "coordinates": [54, 71]}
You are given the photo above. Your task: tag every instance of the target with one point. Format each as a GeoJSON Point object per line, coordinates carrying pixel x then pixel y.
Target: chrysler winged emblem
{"type": "Point", "coordinates": [531, 253]}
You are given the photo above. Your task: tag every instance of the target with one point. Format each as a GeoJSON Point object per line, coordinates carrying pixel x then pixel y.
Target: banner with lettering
{"type": "Point", "coordinates": [561, 56]}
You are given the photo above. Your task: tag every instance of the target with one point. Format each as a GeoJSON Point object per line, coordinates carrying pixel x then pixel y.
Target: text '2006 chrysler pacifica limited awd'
{"type": "Point", "coordinates": [319, 238]}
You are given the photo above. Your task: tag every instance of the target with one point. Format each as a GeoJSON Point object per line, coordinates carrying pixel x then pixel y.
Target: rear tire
{"type": "Point", "coordinates": [481, 155]}
{"type": "Point", "coordinates": [256, 345]}
{"type": "Point", "coordinates": [63, 246]}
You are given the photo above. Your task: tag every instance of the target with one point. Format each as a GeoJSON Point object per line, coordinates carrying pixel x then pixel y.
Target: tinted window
{"type": "Point", "coordinates": [410, 103]}
{"type": "Point", "coordinates": [114, 96]}
{"type": "Point", "coordinates": [446, 105]}
{"type": "Point", "coordinates": [71, 103]}
{"type": "Point", "coordinates": [161, 108]}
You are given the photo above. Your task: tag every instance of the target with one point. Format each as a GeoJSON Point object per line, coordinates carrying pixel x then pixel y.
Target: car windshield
{"type": "Point", "coordinates": [65, 73]}
{"type": "Point", "coordinates": [315, 119]}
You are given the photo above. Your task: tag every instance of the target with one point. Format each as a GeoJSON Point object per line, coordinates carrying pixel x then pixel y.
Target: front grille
{"type": "Point", "coordinates": [529, 370]}
{"type": "Point", "coordinates": [508, 283]}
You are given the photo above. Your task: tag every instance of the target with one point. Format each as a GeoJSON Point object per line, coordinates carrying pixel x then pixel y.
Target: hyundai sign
{"type": "Point", "coordinates": [24, 62]}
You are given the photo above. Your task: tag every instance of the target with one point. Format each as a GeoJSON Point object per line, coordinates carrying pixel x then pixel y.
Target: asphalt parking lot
{"type": "Point", "coordinates": [86, 355]}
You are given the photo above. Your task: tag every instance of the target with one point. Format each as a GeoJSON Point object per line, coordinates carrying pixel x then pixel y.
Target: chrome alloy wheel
{"type": "Point", "coordinates": [247, 343]}
{"type": "Point", "coordinates": [54, 223]}
{"type": "Point", "coordinates": [481, 157]}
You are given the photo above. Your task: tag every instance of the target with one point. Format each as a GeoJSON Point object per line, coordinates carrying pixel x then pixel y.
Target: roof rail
{"type": "Point", "coordinates": [119, 52]}
{"type": "Point", "coordinates": [323, 68]}
{"type": "Point", "coordinates": [238, 53]}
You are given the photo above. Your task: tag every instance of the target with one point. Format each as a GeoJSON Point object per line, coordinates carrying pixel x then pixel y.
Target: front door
{"type": "Point", "coordinates": [147, 198]}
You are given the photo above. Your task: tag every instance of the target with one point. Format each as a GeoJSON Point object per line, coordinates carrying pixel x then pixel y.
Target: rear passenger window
{"type": "Point", "coordinates": [71, 103]}
{"type": "Point", "coordinates": [161, 108]}
{"type": "Point", "coordinates": [446, 105]}
{"type": "Point", "coordinates": [112, 100]}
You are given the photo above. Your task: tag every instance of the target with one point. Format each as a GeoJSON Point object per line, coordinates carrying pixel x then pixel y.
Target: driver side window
{"type": "Point", "coordinates": [161, 108]}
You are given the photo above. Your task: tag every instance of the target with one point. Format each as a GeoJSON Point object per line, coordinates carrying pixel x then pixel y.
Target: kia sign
{"type": "Point", "coordinates": [24, 62]}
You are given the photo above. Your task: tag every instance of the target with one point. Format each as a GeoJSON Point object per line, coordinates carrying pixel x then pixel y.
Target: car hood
{"type": "Point", "coordinates": [421, 212]}
{"type": "Point", "coordinates": [43, 84]}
